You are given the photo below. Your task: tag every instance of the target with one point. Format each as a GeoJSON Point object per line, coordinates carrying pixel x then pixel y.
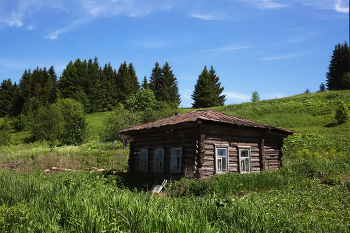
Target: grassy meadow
{"type": "Point", "coordinates": [310, 194]}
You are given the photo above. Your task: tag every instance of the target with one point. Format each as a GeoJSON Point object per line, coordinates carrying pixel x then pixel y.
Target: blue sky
{"type": "Point", "coordinates": [278, 48]}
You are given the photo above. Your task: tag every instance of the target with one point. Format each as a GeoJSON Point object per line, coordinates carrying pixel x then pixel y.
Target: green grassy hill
{"type": "Point", "coordinates": [309, 194]}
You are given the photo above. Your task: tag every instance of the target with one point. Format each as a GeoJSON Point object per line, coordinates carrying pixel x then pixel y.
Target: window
{"type": "Point", "coordinates": [221, 159]}
{"type": "Point", "coordinates": [175, 162]}
{"type": "Point", "coordinates": [244, 160]}
{"type": "Point", "coordinates": [143, 160]}
{"type": "Point", "coordinates": [158, 160]}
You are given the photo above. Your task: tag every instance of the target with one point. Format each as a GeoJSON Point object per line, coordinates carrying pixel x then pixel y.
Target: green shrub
{"type": "Point", "coordinates": [5, 133]}
{"type": "Point", "coordinates": [332, 179]}
{"type": "Point", "coordinates": [341, 114]}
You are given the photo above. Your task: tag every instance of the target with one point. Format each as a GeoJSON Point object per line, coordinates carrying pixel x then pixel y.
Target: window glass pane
{"type": "Point", "coordinates": [219, 165]}
{"type": "Point", "coordinates": [223, 164]}
{"type": "Point", "coordinates": [242, 165]}
{"type": "Point", "coordinates": [159, 152]}
{"type": "Point", "coordinates": [144, 153]}
{"type": "Point", "coordinates": [178, 162]}
{"type": "Point", "coordinates": [246, 161]}
{"type": "Point", "coordinates": [244, 153]}
{"type": "Point", "coordinates": [143, 164]}
{"type": "Point", "coordinates": [221, 152]}
{"type": "Point", "coordinates": [177, 152]}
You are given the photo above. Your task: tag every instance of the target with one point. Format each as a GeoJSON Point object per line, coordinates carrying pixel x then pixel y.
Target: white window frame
{"type": "Point", "coordinates": [161, 161]}
{"type": "Point", "coordinates": [175, 168]}
{"type": "Point", "coordinates": [143, 158]}
{"type": "Point", "coordinates": [248, 149]}
{"type": "Point", "coordinates": [226, 147]}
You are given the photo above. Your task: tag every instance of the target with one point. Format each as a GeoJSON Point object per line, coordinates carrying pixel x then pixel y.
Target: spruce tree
{"type": "Point", "coordinates": [126, 82]}
{"type": "Point", "coordinates": [169, 91]}
{"type": "Point", "coordinates": [134, 83]}
{"type": "Point", "coordinates": [93, 83]}
{"type": "Point", "coordinates": [155, 81]}
{"type": "Point", "coordinates": [145, 84]}
{"type": "Point", "coordinates": [8, 92]}
{"type": "Point", "coordinates": [207, 90]}
{"type": "Point", "coordinates": [68, 83]}
{"type": "Point", "coordinates": [339, 65]}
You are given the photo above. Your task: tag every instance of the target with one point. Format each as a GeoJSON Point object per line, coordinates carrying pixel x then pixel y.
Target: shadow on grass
{"type": "Point", "coordinates": [330, 125]}
{"type": "Point", "coordinates": [136, 180]}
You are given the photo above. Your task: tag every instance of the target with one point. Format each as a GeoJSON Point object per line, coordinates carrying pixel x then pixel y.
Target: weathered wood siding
{"type": "Point", "coordinates": [166, 140]}
{"type": "Point", "coordinates": [208, 166]}
{"type": "Point", "coordinates": [272, 153]}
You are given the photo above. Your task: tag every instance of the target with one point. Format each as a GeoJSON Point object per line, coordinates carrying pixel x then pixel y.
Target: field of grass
{"type": "Point", "coordinates": [310, 194]}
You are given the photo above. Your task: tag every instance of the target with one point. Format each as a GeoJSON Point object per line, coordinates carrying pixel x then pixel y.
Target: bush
{"type": "Point", "coordinates": [20, 122]}
{"type": "Point", "coordinates": [5, 133]}
{"type": "Point", "coordinates": [63, 122]}
{"type": "Point", "coordinates": [341, 115]}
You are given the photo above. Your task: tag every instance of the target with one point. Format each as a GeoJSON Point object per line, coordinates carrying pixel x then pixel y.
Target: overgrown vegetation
{"type": "Point", "coordinates": [311, 193]}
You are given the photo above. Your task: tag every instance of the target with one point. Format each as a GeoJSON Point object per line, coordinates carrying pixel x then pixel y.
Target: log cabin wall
{"type": "Point", "coordinates": [273, 150]}
{"type": "Point", "coordinates": [166, 139]}
{"type": "Point", "coordinates": [208, 166]}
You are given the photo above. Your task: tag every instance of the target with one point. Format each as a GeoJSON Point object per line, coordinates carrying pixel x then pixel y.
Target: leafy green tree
{"type": "Point", "coordinates": [117, 120]}
{"type": "Point", "coordinates": [5, 133]}
{"type": "Point", "coordinates": [341, 114]}
{"type": "Point", "coordinates": [207, 91]}
{"type": "Point", "coordinates": [255, 96]}
{"type": "Point", "coordinates": [63, 122]}
{"type": "Point", "coordinates": [47, 124]}
{"type": "Point", "coordinates": [339, 65]}
{"type": "Point", "coordinates": [75, 124]}
{"type": "Point", "coordinates": [307, 91]}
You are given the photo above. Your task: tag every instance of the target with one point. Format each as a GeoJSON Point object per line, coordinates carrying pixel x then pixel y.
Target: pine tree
{"type": "Point", "coordinates": [169, 91]}
{"type": "Point", "coordinates": [145, 84]}
{"type": "Point", "coordinates": [126, 82]}
{"type": "Point", "coordinates": [339, 65]}
{"type": "Point", "coordinates": [155, 81]}
{"type": "Point", "coordinates": [8, 92]}
{"type": "Point", "coordinates": [207, 90]}
{"type": "Point", "coordinates": [93, 84]}
{"type": "Point", "coordinates": [134, 84]}
{"type": "Point", "coordinates": [68, 81]}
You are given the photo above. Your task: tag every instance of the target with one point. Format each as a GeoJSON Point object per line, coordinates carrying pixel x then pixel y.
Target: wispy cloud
{"type": "Point", "coordinates": [281, 57]}
{"type": "Point", "coordinates": [341, 6]}
{"type": "Point", "coordinates": [206, 16]}
{"type": "Point", "coordinates": [236, 95]}
{"type": "Point", "coordinates": [77, 23]}
{"type": "Point", "coordinates": [224, 49]}
{"type": "Point", "coordinates": [269, 4]}
{"type": "Point", "coordinates": [30, 27]}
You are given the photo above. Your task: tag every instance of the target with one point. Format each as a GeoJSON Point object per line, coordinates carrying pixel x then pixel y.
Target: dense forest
{"type": "Point", "coordinates": [97, 88]}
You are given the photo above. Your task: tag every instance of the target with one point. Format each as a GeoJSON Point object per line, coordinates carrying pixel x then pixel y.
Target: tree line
{"type": "Point", "coordinates": [98, 89]}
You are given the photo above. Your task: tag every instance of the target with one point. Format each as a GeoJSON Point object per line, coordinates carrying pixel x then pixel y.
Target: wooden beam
{"type": "Point", "coordinates": [262, 154]}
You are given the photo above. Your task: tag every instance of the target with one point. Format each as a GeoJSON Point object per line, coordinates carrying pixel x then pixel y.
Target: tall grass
{"type": "Point", "coordinates": [79, 201]}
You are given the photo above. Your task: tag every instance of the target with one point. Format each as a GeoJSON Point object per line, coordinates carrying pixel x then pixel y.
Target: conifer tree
{"type": "Point", "coordinates": [8, 92]}
{"type": "Point", "coordinates": [155, 81]}
{"type": "Point", "coordinates": [207, 90]}
{"type": "Point", "coordinates": [145, 84]}
{"type": "Point", "coordinates": [93, 83]}
{"type": "Point", "coordinates": [339, 65]}
{"type": "Point", "coordinates": [126, 82]}
{"type": "Point", "coordinates": [169, 91]}
{"type": "Point", "coordinates": [134, 83]}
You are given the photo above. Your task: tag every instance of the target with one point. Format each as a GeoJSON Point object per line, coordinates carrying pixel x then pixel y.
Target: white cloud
{"type": "Point", "coordinates": [339, 7]}
{"type": "Point", "coordinates": [235, 95]}
{"type": "Point", "coordinates": [30, 27]}
{"type": "Point", "coordinates": [269, 4]}
{"type": "Point", "coordinates": [224, 49]}
{"type": "Point", "coordinates": [206, 16]}
{"type": "Point", "coordinates": [77, 23]}
{"type": "Point", "coordinates": [281, 57]}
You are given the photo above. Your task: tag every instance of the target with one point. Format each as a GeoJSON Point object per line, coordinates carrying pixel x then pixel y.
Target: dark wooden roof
{"type": "Point", "coordinates": [204, 115]}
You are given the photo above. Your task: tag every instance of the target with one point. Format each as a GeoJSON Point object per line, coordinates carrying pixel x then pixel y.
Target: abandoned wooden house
{"type": "Point", "coordinates": [205, 142]}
